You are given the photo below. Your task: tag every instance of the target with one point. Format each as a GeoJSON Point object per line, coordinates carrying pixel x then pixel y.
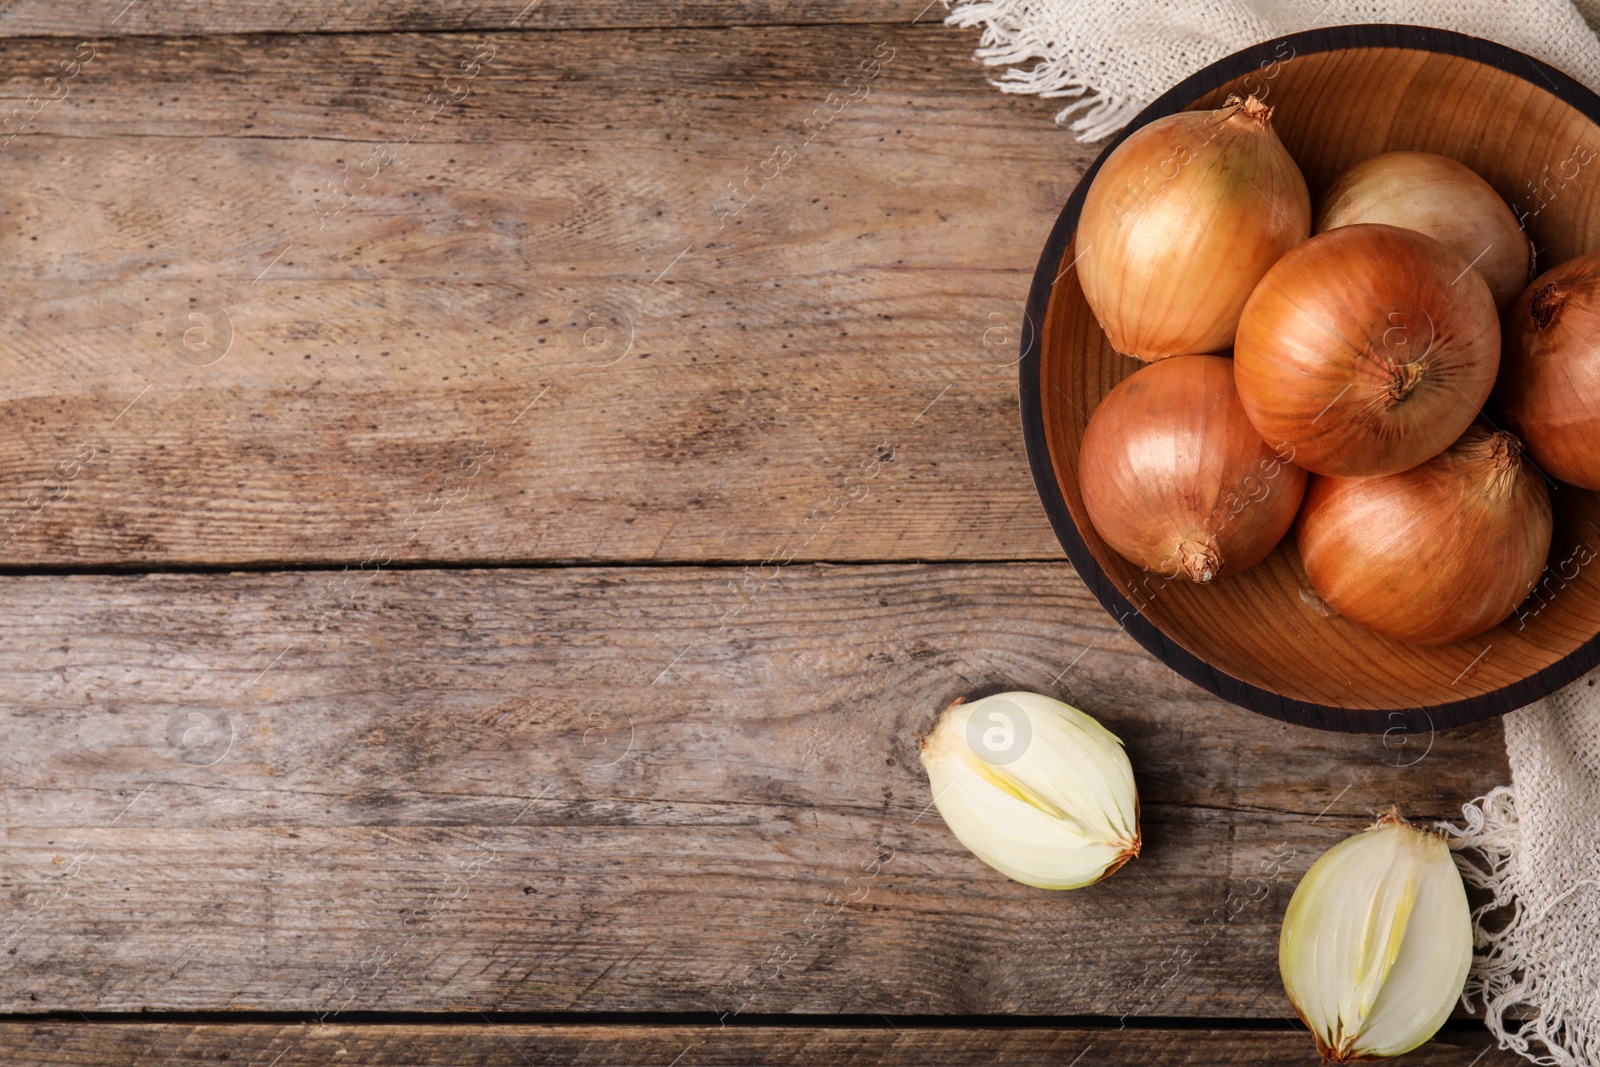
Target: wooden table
{"type": "Point", "coordinates": [494, 495]}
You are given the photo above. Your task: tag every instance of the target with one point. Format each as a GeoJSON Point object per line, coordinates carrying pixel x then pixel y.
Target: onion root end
{"type": "Point", "coordinates": [1199, 561]}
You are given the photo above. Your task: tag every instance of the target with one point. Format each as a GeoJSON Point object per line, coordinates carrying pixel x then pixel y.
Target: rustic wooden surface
{"type": "Point", "coordinates": [514, 1045]}
{"type": "Point", "coordinates": [56, 18]}
{"type": "Point", "coordinates": [614, 740]}
{"type": "Point", "coordinates": [660, 810]}
{"type": "Point", "coordinates": [869, 298]}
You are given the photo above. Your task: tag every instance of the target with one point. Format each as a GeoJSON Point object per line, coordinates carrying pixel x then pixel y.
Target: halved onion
{"type": "Point", "coordinates": [1176, 480]}
{"type": "Point", "coordinates": [1368, 349]}
{"type": "Point", "coordinates": [1377, 942]}
{"type": "Point", "coordinates": [1182, 220]}
{"type": "Point", "coordinates": [1550, 387]}
{"type": "Point", "coordinates": [1435, 554]}
{"type": "Point", "coordinates": [1444, 199]}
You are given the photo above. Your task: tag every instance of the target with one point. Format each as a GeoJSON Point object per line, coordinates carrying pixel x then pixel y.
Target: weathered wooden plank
{"type": "Point", "coordinates": [519, 1045]}
{"type": "Point", "coordinates": [670, 789]}
{"type": "Point", "coordinates": [826, 374]}
{"type": "Point", "coordinates": [66, 18]}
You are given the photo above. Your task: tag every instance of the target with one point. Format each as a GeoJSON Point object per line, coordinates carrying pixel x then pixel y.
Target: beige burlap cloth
{"type": "Point", "coordinates": [1535, 844]}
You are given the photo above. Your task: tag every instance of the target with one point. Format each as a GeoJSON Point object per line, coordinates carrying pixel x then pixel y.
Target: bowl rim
{"type": "Point", "coordinates": [1252, 697]}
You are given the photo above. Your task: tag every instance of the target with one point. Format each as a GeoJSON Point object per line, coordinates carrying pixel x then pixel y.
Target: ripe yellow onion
{"type": "Point", "coordinates": [1183, 219]}
{"type": "Point", "coordinates": [1176, 480]}
{"type": "Point", "coordinates": [1551, 385]}
{"type": "Point", "coordinates": [1368, 349]}
{"type": "Point", "coordinates": [1446, 200]}
{"type": "Point", "coordinates": [1435, 554]}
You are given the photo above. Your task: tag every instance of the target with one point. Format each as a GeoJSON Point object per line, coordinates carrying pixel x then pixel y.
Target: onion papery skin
{"type": "Point", "coordinates": [1444, 199]}
{"type": "Point", "coordinates": [1436, 554]}
{"type": "Point", "coordinates": [1176, 480]}
{"type": "Point", "coordinates": [1181, 221]}
{"type": "Point", "coordinates": [1550, 386]}
{"type": "Point", "coordinates": [1368, 349]}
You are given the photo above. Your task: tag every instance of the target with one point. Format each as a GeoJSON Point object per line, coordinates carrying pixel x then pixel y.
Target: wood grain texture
{"type": "Point", "coordinates": [663, 789]}
{"type": "Point", "coordinates": [510, 1045]}
{"type": "Point", "coordinates": [702, 387]}
{"type": "Point", "coordinates": [183, 18]}
{"type": "Point", "coordinates": [1262, 637]}
{"type": "Point", "coordinates": [269, 305]}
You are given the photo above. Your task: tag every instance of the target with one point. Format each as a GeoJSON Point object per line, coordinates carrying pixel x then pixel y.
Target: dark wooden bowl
{"type": "Point", "coordinates": [1342, 94]}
